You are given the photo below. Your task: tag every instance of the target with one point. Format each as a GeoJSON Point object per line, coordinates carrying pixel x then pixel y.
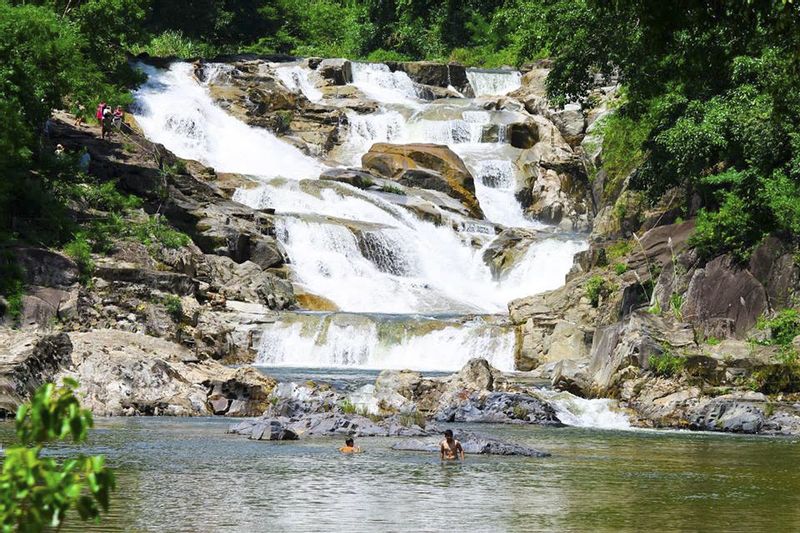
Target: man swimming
{"type": "Point", "coordinates": [349, 447]}
{"type": "Point", "coordinates": [450, 449]}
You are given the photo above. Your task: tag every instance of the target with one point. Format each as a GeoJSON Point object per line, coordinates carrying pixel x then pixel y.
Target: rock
{"type": "Point", "coordinates": [723, 414]}
{"type": "Point", "coordinates": [249, 283]}
{"type": "Point", "coordinates": [245, 393]}
{"type": "Point", "coordinates": [507, 249]}
{"type": "Point", "coordinates": [621, 220]}
{"type": "Point", "coordinates": [355, 177]}
{"type": "Point", "coordinates": [658, 246]}
{"type": "Point", "coordinates": [523, 134]}
{"type": "Point", "coordinates": [724, 290]}
{"type": "Point", "coordinates": [28, 360]}
{"type": "Point", "coordinates": [477, 374]}
{"type": "Point", "coordinates": [46, 268]}
{"type": "Point", "coordinates": [571, 376]}
{"type": "Point", "coordinates": [171, 282]}
{"type": "Point", "coordinates": [774, 266]}
{"type": "Point", "coordinates": [472, 443]}
{"type": "Point", "coordinates": [431, 166]}
{"type": "Point", "coordinates": [123, 373]}
{"type": "Point", "coordinates": [571, 122]}
{"type": "Point", "coordinates": [265, 429]}
{"type": "Point", "coordinates": [498, 407]}
{"type": "Point", "coordinates": [433, 73]}
{"type": "Point", "coordinates": [336, 71]}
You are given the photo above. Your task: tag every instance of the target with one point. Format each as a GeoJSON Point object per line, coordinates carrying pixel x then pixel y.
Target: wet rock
{"type": "Point", "coordinates": [265, 429]}
{"type": "Point", "coordinates": [523, 134]}
{"type": "Point", "coordinates": [507, 249]}
{"type": "Point", "coordinates": [356, 177]}
{"type": "Point", "coordinates": [336, 71]}
{"type": "Point", "coordinates": [498, 407]}
{"type": "Point", "coordinates": [433, 73]}
{"type": "Point", "coordinates": [430, 166]}
{"type": "Point", "coordinates": [472, 443]}
{"type": "Point", "coordinates": [571, 376]}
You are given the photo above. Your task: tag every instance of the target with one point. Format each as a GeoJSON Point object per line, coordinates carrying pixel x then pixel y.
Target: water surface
{"type": "Point", "coordinates": [189, 475]}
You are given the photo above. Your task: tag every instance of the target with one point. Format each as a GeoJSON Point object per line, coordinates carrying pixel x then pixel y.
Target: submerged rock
{"type": "Point", "coordinates": [473, 443]}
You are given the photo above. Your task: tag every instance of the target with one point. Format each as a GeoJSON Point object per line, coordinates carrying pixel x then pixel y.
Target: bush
{"type": "Point", "coordinates": [382, 56]}
{"type": "Point", "coordinates": [783, 327]}
{"type": "Point", "coordinates": [596, 289]}
{"type": "Point", "coordinates": [667, 363]}
{"type": "Point", "coordinates": [618, 249]}
{"type": "Point", "coordinates": [620, 268]}
{"type": "Point", "coordinates": [37, 492]}
{"type": "Point", "coordinates": [347, 407]}
{"type": "Point", "coordinates": [173, 43]}
{"type": "Point", "coordinates": [155, 231]}
{"type": "Point", "coordinates": [174, 306]}
{"type": "Point", "coordinates": [80, 251]}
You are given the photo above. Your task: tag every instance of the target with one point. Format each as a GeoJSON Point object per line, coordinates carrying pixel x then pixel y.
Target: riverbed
{"type": "Point", "coordinates": [189, 475]}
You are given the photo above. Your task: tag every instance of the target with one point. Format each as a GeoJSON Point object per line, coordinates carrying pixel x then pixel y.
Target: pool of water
{"type": "Point", "coordinates": [189, 475]}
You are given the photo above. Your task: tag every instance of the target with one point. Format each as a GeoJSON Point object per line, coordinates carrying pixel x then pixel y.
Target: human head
{"type": "Point", "coordinates": [448, 433]}
{"type": "Point", "coordinates": [349, 442]}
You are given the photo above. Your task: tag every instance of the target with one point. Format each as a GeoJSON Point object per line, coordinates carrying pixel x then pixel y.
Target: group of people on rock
{"type": "Point", "coordinates": [450, 449]}
{"type": "Point", "coordinates": [109, 119]}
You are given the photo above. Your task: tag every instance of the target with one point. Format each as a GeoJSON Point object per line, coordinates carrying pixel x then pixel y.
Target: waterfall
{"type": "Point", "coordinates": [366, 255]}
{"type": "Point", "coordinates": [580, 412]}
{"type": "Point", "coordinates": [378, 82]}
{"type": "Point", "coordinates": [493, 82]}
{"type": "Point", "coordinates": [176, 111]}
{"type": "Point", "coordinates": [296, 79]}
{"type": "Point", "coordinates": [379, 342]}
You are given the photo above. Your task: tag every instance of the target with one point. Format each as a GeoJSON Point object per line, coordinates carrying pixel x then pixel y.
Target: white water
{"type": "Point", "coordinates": [297, 80]}
{"type": "Point", "coordinates": [353, 247]}
{"type": "Point", "coordinates": [493, 83]}
{"type": "Point", "coordinates": [339, 341]}
{"type": "Point", "coordinates": [597, 413]}
{"type": "Point", "coordinates": [178, 112]}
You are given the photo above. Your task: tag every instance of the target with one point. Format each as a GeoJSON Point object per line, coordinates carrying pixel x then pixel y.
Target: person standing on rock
{"type": "Point", "coordinates": [349, 447]}
{"type": "Point", "coordinates": [450, 449]}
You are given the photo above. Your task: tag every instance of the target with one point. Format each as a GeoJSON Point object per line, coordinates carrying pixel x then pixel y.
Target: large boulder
{"type": "Point", "coordinates": [724, 290]}
{"type": "Point", "coordinates": [428, 166]}
{"type": "Point", "coordinates": [497, 407]}
{"type": "Point", "coordinates": [433, 73]}
{"type": "Point", "coordinates": [336, 71]}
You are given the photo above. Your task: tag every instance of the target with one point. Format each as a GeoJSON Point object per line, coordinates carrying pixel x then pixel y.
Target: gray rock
{"type": "Point", "coordinates": [499, 407]}
{"type": "Point", "coordinates": [728, 415]}
{"type": "Point", "coordinates": [336, 71]}
{"type": "Point", "coordinates": [472, 443]}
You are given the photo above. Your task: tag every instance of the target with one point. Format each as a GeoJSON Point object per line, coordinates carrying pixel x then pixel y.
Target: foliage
{"type": "Point", "coordinates": [414, 418]}
{"type": "Point", "coordinates": [667, 363]}
{"type": "Point", "coordinates": [620, 268]}
{"type": "Point", "coordinates": [80, 250]}
{"type": "Point", "coordinates": [347, 407]}
{"type": "Point", "coordinates": [618, 249]}
{"type": "Point", "coordinates": [174, 306]}
{"type": "Point", "coordinates": [596, 289]}
{"type": "Point", "coordinates": [37, 492]}
{"type": "Point", "coordinates": [155, 231]}
{"type": "Point", "coordinates": [783, 327]}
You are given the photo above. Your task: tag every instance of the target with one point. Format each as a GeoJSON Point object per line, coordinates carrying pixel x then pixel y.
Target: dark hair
{"type": "Point", "coordinates": [448, 432]}
{"type": "Point", "coordinates": [349, 442]}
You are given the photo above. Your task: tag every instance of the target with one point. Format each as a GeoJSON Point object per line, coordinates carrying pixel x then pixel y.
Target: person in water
{"type": "Point", "coordinates": [349, 447]}
{"type": "Point", "coordinates": [450, 449]}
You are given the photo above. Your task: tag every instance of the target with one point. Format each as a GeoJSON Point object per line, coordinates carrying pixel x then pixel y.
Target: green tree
{"type": "Point", "coordinates": [37, 492]}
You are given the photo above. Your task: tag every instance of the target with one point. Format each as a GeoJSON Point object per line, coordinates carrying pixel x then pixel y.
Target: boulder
{"type": "Point", "coordinates": [657, 247]}
{"type": "Point", "coordinates": [507, 249]}
{"type": "Point", "coordinates": [498, 408]}
{"type": "Point", "coordinates": [472, 443]}
{"type": "Point", "coordinates": [265, 429]}
{"type": "Point", "coordinates": [46, 268]}
{"type": "Point", "coordinates": [729, 415]}
{"type": "Point", "coordinates": [571, 122]}
{"type": "Point", "coordinates": [523, 134]}
{"type": "Point", "coordinates": [336, 71]}
{"type": "Point", "coordinates": [724, 290]}
{"type": "Point", "coordinates": [429, 166]}
{"type": "Point", "coordinates": [433, 73]}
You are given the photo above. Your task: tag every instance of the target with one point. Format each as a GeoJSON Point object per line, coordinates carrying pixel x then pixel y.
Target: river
{"type": "Point", "coordinates": [189, 475]}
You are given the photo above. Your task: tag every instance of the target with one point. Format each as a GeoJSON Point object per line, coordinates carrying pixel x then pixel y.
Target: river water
{"type": "Point", "coordinates": [189, 475]}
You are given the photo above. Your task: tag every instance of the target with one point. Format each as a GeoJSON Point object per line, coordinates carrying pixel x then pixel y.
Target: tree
{"type": "Point", "coordinates": [37, 492]}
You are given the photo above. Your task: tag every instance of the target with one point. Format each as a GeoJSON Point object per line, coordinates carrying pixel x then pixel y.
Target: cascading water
{"type": "Point", "coordinates": [355, 248]}
{"type": "Point", "coordinates": [176, 111]}
{"type": "Point", "coordinates": [493, 82]}
{"type": "Point", "coordinates": [297, 80]}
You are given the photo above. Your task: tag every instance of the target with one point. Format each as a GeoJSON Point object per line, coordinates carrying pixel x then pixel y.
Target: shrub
{"type": "Point", "coordinates": [667, 363]}
{"type": "Point", "coordinates": [80, 251]}
{"type": "Point", "coordinates": [620, 268]}
{"type": "Point", "coordinates": [392, 189]}
{"type": "Point", "coordinates": [347, 407]}
{"type": "Point", "coordinates": [174, 306]}
{"type": "Point", "coordinates": [619, 249]}
{"type": "Point", "coordinates": [155, 231]}
{"type": "Point", "coordinates": [596, 289]}
{"type": "Point", "coordinates": [783, 327]}
{"type": "Point", "coordinates": [412, 419]}
{"type": "Point", "coordinates": [37, 492]}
